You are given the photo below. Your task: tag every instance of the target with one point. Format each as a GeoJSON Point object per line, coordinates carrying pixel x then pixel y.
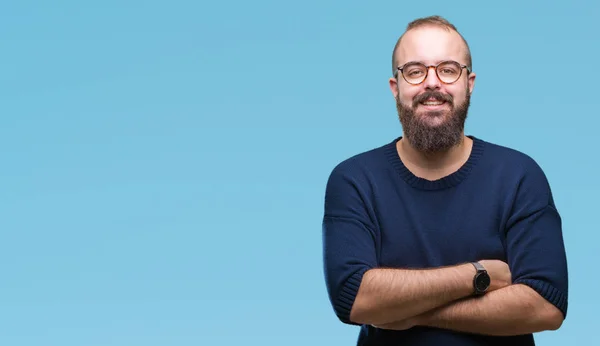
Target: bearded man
{"type": "Point", "coordinates": [436, 237]}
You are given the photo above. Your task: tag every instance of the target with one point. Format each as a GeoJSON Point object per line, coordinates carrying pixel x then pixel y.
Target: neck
{"type": "Point", "coordinates": [434, 165]}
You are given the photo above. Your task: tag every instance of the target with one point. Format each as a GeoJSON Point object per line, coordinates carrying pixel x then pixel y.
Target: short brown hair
{"type": "Point", "coordinates": [430, 21]}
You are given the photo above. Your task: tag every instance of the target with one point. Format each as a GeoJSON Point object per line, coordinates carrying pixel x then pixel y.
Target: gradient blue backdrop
{"type": "Point", "coordinates": [163, 164]}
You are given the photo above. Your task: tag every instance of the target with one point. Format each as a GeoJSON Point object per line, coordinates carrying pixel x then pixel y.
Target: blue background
{"type": "Point", "coordinates": [163, 164]}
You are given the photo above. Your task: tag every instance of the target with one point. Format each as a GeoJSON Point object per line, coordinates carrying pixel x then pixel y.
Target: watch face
{"type": "Point", "coordinates": [482, 282]}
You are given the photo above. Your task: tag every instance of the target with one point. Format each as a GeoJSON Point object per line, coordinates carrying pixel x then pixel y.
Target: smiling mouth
{"type": "Point", "coordinates": [433, 103]}
{"type": "Point", "coordinates": [433, 99]}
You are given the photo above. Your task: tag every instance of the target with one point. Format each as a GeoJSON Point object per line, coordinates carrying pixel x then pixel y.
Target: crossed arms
{"type": "Point", "coordinates": [442, 298]}
{"type": "Point", "coordinates": [530, 301]}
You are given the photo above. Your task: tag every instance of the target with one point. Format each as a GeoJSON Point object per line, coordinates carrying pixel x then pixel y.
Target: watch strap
{"type": "Point", "coordinates": [478, 266]}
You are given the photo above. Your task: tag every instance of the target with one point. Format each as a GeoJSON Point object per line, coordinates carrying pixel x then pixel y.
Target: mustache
{"type": "Point", "coordinates": [436, 95]}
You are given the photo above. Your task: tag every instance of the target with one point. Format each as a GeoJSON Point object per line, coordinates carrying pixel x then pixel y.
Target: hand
{"type": "Point", "coordinates": [499, 273]}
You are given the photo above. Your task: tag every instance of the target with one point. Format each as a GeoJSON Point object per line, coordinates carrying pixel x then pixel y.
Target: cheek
{"type": "Point", "coordinates": [459, 93]}
{"type": "Point", "coordinates": [459, 97]}
{"type": "Point", "coordinates": [406, 96]}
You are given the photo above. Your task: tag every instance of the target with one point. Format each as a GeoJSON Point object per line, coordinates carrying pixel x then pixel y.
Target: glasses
{"type": "Point", "coordinates": [447, 72]}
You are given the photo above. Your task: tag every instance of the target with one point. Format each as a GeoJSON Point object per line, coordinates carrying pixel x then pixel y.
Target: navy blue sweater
{"type": "Point", "coordinates": [498, 205]}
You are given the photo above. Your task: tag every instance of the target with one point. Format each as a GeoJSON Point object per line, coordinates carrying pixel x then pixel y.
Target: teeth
{"type": "Point", "coordinates": [432, 103]}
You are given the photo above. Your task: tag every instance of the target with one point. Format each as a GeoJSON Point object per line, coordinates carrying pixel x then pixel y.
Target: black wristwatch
{"type": "Point", "coordinates": [481, 281]}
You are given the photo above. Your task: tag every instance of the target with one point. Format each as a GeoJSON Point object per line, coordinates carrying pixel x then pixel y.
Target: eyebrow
{"type": "Point", "coordinates": [435, 63]}
{"type": "Point", "coordinates": [413, 62]}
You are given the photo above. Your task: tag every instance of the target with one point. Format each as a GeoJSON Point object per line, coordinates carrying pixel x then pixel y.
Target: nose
{"type": "Point", "coordinates": [432, 81]}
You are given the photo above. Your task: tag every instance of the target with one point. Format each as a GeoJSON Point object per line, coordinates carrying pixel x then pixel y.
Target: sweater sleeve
{"type": "Point", "coordinates": [348, 241]}
{"type": "Point", "coordinates": [535, 247]}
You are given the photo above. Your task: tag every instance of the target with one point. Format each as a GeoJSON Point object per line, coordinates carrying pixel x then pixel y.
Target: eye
{"type": "Point", "coordinates": [415, 72]}
{"type": "Point", "coordinates": [448, 71]}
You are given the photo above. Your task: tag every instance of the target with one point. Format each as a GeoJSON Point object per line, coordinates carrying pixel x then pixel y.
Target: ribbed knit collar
{"type": "Point", "coordinates": [445, 182]}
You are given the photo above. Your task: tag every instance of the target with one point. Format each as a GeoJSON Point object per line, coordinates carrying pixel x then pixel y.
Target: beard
{"type": "Point", "coordinates": [437, 138]}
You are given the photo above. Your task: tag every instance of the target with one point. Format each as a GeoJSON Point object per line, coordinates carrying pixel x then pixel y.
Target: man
{"type": "Point", "coordinates": [438, 238]}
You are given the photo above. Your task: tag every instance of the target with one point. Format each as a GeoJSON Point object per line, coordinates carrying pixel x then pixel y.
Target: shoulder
{"type": "Point", "coordinates": [505, 154]}
{"type": "Point", "coordinates": [517, 171]}
{"type": "Point", "coordinates": [360, 170]}
{"type": "Point", "coordinates": [364, 162]}
{"type": "Point", "coordinates": [511, 161]}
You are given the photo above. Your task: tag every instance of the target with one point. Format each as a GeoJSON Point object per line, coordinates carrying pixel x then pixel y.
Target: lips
{"type": "Point", "coordinates": [433, 102]}
{"type": "Point", "coordinates": [432, 98]}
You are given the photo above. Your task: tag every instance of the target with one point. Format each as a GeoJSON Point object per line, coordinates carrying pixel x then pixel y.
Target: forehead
{"type": "Point", "coordinates": [431, 45]}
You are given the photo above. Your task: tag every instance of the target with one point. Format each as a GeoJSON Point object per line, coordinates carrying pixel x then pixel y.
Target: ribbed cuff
{"type": "Point", "coordinates": [549, 292]}
{"type": "Point", "coordinates": [347, 296]}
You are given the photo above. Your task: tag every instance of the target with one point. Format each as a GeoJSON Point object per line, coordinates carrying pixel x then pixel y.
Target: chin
{"type": "Point", "coordinates": [434, 118]}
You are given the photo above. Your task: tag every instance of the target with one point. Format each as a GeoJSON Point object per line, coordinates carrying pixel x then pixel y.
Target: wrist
{"type": "Point", "coordinates": [481, 280]}
{"type": "Point", "coordinates": [468, 272]}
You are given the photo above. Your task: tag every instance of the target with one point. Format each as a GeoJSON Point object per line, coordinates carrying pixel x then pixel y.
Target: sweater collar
{"type": "Point", "coordinates": [448, 181]}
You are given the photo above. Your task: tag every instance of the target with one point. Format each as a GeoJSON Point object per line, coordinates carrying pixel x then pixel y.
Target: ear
{"type": "Point", "coordinates": [394, 87]}
{"type": "Point", "coordinates": [471, 82]}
